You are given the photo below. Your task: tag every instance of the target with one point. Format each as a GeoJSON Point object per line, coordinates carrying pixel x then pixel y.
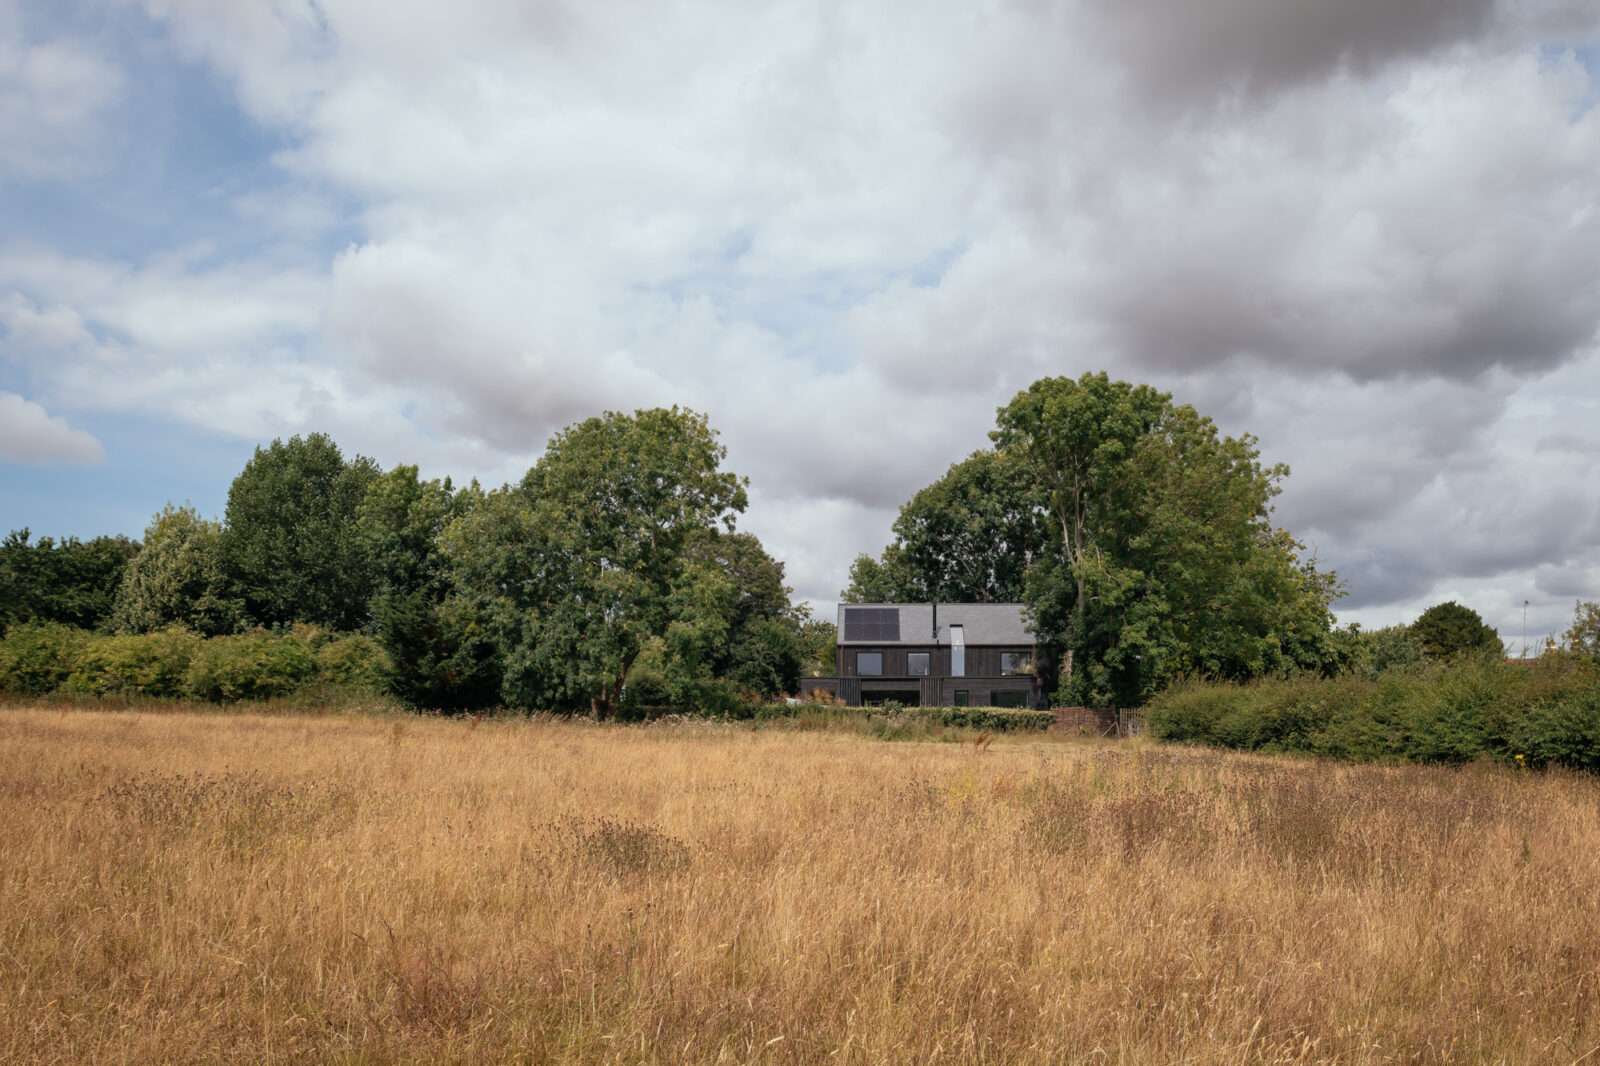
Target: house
{"type": "Point", "coordinates": [933, 655]}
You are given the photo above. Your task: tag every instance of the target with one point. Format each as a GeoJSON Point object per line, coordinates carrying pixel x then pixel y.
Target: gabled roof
{"type": "Point", "coordinates": [981, 623]}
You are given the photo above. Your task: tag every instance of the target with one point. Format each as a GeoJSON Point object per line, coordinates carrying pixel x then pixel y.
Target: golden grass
{"type": "Point", "coordinates": [191, 888]}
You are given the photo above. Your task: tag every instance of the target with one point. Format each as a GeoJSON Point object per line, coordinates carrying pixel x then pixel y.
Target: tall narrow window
{"type": "Point", "coordinates": [958, 652]}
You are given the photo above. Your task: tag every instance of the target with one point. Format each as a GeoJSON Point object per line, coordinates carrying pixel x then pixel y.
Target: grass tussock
{"type": "Point", "coordinates": [188, 888]}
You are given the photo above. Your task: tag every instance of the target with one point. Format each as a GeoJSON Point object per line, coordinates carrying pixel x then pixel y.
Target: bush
{"type": "Point", "coordinates": [36, 658]}
{"type": "Point", "coordinates": [1547, 713]}
{"type": "Point", "coordinates": [355, 662]}
{"type": "Point", "coordinates": [150, 664]}
{"type": "Point", "coordinates": [251, 666]}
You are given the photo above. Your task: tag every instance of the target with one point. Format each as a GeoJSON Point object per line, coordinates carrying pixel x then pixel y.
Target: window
{"type": "Point", "coordinates": [963, 697]}
{"type": "Point", "coordinates": [958, 652]}
{"type": "Point", "coordinates": [869, 663]}
{"type": "Point", "coordinates": [1009, 699]}
{"type": "Point", "coordinates": [917, 664]}
{"type": "Point", "coordinates": [1013, 663]}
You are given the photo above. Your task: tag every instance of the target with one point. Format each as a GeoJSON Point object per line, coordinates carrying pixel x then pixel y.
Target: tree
{"type": "Point", "coordinates": [1163, 560]}
{"type": "Point", "coordinates": [290, 545]}
{"type": "Point", "coordinates": [439, 659]}
{"type": "Point", "coordinates": [69, 581]}
{"type": "Point", "coordinates": [1583, 638]}
{"type": "Point", "coordinates": [733, 630]}
{"type": "Point", "coordinates": [1449, 629]}
{"type": "Point", "coordinates": [885, 580]}
{"type": "Point", "coordinates": [968, 537]}
{"type": "Point", "coordinates": [588, 559]}
{"type": "Point", "coordinates": [177, 578]}
{"type": "Point", "coordinates": [1390, 648]}
{"type": "Point", "coordinates": [819, 639]}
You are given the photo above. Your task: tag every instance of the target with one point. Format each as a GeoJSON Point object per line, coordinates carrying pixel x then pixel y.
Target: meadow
{"type": "Point", "coordinates": [203, 887]}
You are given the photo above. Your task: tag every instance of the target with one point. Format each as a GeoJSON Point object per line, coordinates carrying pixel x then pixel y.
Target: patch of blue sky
{"type": "Point", "coordinates": [1588, 57]}
{"type": "Point", "coordinates": [149, 462]}
{"type": "Point", "coordinates": [174, 158]}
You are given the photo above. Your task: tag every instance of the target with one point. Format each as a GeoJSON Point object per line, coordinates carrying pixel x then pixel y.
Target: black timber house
{"type": "Point", "coordinates": [933, 655]}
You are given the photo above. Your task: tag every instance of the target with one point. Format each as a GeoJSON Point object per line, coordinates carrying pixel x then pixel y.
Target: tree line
{"type": "Point", "coordinates": [614, 563]}
{"type": "Point", "coordinates": [1138, 536]}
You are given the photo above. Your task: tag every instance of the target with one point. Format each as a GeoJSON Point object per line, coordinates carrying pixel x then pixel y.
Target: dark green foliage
{"type": "Point", "coordinates": [437, 659]}
{"type": "Point", "coordinates": [71, 582]}
{"type": "Point", "coordinates": [1162, 560]}
{"type": "Point", "coordinates": [968, 537]}
{"type": "Point", "coordinates": [572, 572]}
{"type": "Point", "coordinates": [147, 664]}
{"type": "Point", "coordinates": [1448, 629]}
{"type": "Point", "coordinates": [1546, 713]}
{"type": "Point", "coordinates": [291, 548]}
{"type": "Point", "coordinates": [37, 657]}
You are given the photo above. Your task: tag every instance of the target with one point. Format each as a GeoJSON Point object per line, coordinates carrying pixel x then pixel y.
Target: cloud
{"type": "Point", "coordinates": [1363, 231]}
{"type": "Point", "coordinates": [54, 96]}
{"type": "Point", "coordinates": [30, 434]}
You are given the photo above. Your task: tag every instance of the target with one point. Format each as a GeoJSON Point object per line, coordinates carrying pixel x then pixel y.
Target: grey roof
{"type": "Point", "coordinates": [982, 623]}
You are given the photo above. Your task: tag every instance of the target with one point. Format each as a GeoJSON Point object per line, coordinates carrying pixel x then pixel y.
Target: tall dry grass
{"type": "Point", "coordinates": [183, 888]}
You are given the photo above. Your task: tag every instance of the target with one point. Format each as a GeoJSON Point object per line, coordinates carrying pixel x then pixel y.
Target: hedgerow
{"type": "Point", "coordinates": [1546, 713]}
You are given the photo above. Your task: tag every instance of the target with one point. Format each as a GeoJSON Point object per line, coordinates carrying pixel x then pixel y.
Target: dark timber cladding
{"type": "Point", "coordinates": [944, 654]}
{"type": "Point", "coordinates": [872, 624]}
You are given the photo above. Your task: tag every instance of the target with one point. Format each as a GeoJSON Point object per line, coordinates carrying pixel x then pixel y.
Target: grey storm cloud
{"type": "Point", "coordinates": [1181, 53]}
{"type": "Point", "coordinates": [1363, 231]}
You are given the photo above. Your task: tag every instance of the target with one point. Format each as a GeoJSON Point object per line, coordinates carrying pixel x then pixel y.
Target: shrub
{"type": "Point", "coordinates": [36, 658]}
{"type": "Point", "coordinates": [151, 664]}
{"type": "Point", "coordinates": [1453, 713]}
{"type": "Point", "coordinates": [251, 666]}
{"type": "Point", "coordinates": [355, 662]}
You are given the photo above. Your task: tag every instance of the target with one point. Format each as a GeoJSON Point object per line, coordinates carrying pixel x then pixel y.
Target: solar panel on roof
{"type": "Point", "coordinates": [872, 623]}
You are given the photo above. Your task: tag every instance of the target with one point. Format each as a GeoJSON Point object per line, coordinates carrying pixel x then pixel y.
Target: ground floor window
{"type": "Point", "coordinates": [1010, 699]}
{"type": "Point", "coordinates": [963, 697]}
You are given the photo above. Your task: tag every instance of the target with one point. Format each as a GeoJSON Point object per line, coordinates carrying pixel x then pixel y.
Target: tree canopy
{"type": "Point", "coordinates": [1138, 536]}
{"type": "Point", "coordinates": [576, 568]}
{"type": "Point", "coordinates": [68, 581]}
{"type": "Point", "coordinates": [1449, 629]}
{"type": "Point", "coordinates": [290, 543]}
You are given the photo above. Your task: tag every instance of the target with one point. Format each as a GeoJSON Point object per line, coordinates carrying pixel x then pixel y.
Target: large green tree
{"type": "Point", "coordinates": [732, 621]}
{"type": "Point", "coordinates": [290, 543]}
{"type": "Point", "coordinates": [1165, 561]}
{"type": "Point", "coordinates": [177, 578]}
{"type": "Point", "coordinates": [1449, 629]}
{"type": "Point", "coordinates": [69, 581]}
{"type": "Point", "coordinates": [441, 658]}
{"type": "Point", "coordinates": [576, 569]}
{"type": "Point", "coordinates": [968, 537]}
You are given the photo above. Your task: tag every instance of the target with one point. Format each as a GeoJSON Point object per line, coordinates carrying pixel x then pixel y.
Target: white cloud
{"type": "Point", "coordinates": [53, 98]}
{"type": "Point", "coordinates": [30, 434]}
{"type": "Point", "coordinates": [848, 236]}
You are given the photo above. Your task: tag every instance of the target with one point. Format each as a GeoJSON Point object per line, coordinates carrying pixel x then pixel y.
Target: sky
{"type": "Point", "coordinates": [1367, 233]}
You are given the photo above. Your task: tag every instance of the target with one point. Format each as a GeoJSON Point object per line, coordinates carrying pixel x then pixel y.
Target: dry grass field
{"type": "Point", "coordinates": [203, 888]}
